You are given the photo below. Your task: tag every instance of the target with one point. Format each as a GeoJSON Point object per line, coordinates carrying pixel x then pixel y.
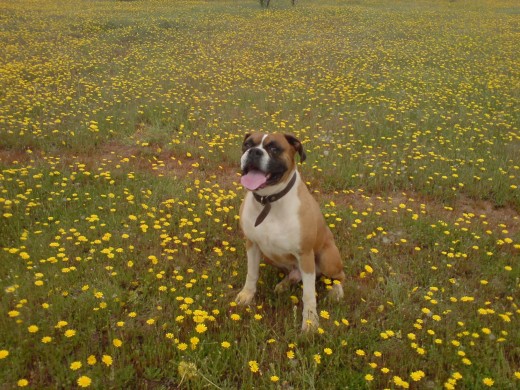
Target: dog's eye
{"type": "Point", "coordinates": [246, 146]}
{"type": "Point", "coordinates": [273, 149]}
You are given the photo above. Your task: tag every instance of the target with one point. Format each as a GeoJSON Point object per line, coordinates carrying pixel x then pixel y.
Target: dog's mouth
{"type": "Point", "coordinates": [254, 179]}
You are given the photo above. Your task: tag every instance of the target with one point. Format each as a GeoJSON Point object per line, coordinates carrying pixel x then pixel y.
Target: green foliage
{"type": "Point", "coordinates": [121, 125]}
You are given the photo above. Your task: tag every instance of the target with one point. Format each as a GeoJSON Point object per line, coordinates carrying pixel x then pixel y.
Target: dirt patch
{"type": "Point", "coordinates": [461, 209]}
{"type": "Point", "coordinates": [165, 162]}
{"type": "Point", "coordinates": [9, 156]}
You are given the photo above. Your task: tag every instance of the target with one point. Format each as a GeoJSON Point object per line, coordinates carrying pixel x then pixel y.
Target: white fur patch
{"type": "Point", "coordinates": [264, 160]}
{"type": "Point", "coordinates": [310, 317]}
{"type": "Point", "coordinates": [280, 233]}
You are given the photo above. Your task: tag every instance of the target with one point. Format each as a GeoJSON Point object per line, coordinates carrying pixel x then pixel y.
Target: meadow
{"type": "Point", "coordinates": [121, 125]}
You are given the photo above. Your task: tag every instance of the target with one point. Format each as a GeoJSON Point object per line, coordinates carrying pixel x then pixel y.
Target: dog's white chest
{"type": "Point", "coordinates": [279, 234]}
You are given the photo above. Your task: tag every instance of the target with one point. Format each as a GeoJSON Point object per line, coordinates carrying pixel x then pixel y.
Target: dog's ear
{"type": "Point", "coordinates": [244, 142]}
{"type": "Point", "coordinates": [297, 145]}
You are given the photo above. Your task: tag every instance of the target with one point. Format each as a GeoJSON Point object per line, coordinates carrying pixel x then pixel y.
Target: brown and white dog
{"type": "Point", "coordinates": [283, 223]}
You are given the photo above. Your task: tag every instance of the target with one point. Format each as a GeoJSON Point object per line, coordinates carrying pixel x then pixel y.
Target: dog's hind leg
{"type": "Point", "coordinates": [292, 277]}
{"type": "Point", "coordinates": [330, 265]}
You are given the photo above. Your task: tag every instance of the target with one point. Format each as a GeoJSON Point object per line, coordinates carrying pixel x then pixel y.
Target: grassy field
{"type": "Point", "coordinates": [120, 133]}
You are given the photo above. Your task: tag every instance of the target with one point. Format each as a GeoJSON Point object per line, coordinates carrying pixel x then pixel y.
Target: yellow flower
{"type": "Point", "coordinates": [401, 383]}
{"type": "Point", "coordinates": [274, 378]}
{"type": "Point", "coordinates": [75, 366]}
{"type": "Point", "coordinates": [488, 382]}
{"type": "Point", "coordinates": [70, 333]}
{"type": "Point", "coordinates": [33, 329]}
{"type": "Point", "coordinates": [317, 358]}
{"type": "Point", "coordinates": [253, 366]}
{"type": "Point", "coordinates": [91, 360]}
{"type": "Point", "coordinates": [225, 344]}
{"type": "Point", "coordinates": [417, 375]}
{"type": "Point", "coordinates": [235, 317]}
{"type": "Point", "coordinates": [486, 330]}
{"type": "Point", "coordinates": [107, 359]}
{"type": "Point", "coordinates": [290, 354]}
{"type": "Point", "coordinates": [84, 381]}
{"type": "Point", "coordinates": [194, 341]}
{"type": "Point", "coordinates": [328, 351]}
{"type": "Point", "coordinates": [4, 353]}
{"type": "Point", "coordinates": [457, 376]}
{"type": "Point", "coordinates": [201, 328]}
{"type": "Point", "coordinates": [117, 343]}
{"type": "Point", "coordinates": [369, 377]}
{"type": "Point", "coordinates": [23, 382]}
{"type": "Point", "coordinates": [182, 346]}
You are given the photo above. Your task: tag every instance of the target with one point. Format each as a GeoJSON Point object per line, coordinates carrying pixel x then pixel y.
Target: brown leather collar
{"type": "Point", "coordinates": [268, 199]}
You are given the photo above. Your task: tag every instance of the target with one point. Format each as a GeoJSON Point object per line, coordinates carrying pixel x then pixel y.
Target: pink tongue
{"type": "Point", "coordinates": [253, 180]}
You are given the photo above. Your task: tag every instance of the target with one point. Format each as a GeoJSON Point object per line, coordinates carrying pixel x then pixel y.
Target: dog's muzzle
{"type": "Point", "coordinates": [254, 164]}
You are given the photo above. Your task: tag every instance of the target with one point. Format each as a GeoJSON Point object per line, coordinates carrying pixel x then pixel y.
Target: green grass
{"type": "Point", "coordinates": [121, 125]}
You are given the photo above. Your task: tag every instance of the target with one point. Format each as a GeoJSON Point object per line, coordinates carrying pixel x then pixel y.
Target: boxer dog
{"type": "Point", "coordinates": [283, 223]}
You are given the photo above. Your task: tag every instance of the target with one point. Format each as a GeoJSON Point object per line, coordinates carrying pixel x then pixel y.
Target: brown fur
{"type": "Point", "coordinates": [317, 238]}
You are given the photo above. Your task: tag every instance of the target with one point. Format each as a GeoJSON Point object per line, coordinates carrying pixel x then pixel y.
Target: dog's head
{"type": "Point", "coordinates": [268, 159]}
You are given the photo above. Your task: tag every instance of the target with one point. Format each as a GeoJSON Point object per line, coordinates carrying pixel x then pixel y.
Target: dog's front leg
{"type": "Point", "coordinates": [308, 273]}
{"type": "Point", "coordinates": [254, 256]}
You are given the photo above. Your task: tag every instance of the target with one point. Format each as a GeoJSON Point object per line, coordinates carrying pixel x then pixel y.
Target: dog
{"type": "Point", "coordinates": [283, 223]}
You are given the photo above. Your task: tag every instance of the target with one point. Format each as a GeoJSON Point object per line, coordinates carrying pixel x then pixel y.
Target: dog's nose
{"type": "Point", "coordinates": [256, 152]}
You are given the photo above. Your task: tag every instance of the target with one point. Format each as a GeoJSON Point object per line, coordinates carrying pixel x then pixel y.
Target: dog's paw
{"type": "Point", "coordinates": [310, 322]}
{"type": "Point", "coordinates": [336, 292]}
{"type": "Point", "coordinates": [245, 297]}
{"type": "Point", "coordinates": [282, 286]}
